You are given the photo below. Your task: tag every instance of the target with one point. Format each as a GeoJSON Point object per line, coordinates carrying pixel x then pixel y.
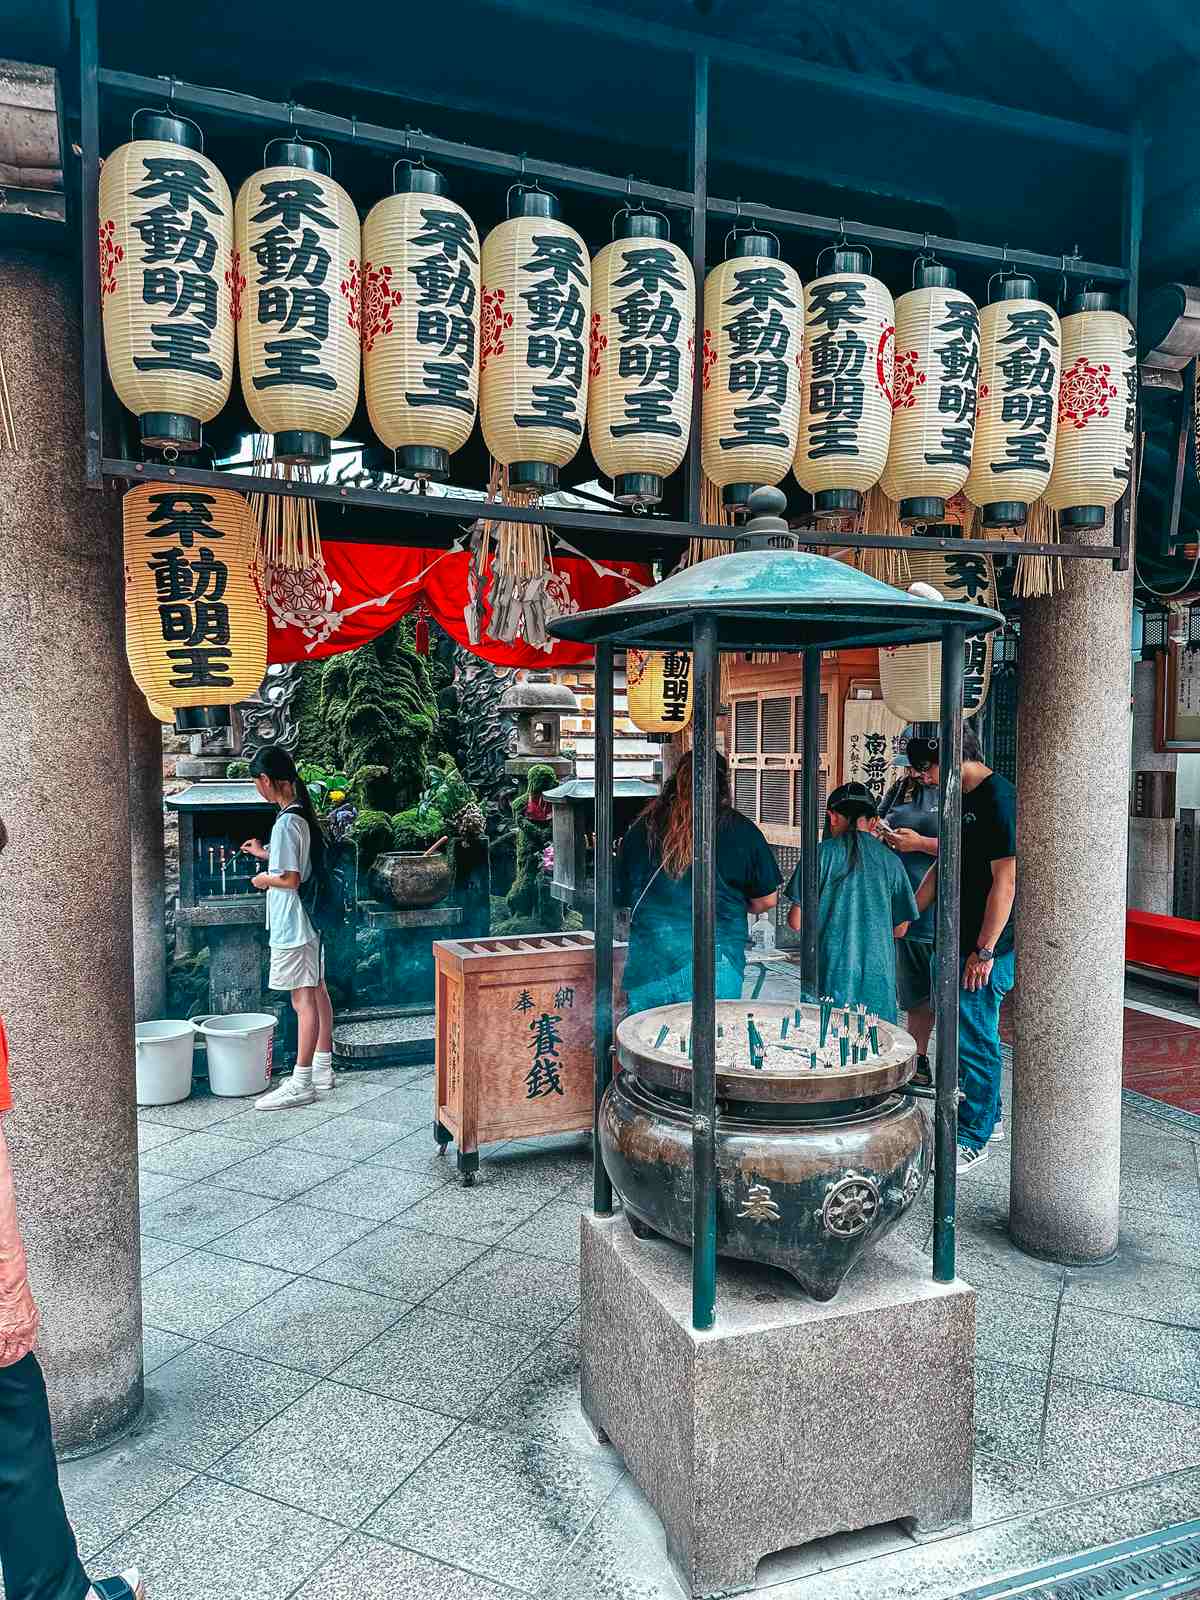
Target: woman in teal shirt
{"type": "Point", "coordinates": [866, 904]}
{"type": "Point", "coordinates": [654, 878]}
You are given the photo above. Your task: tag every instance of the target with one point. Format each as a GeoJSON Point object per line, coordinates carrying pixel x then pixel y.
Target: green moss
{"type": "Point", "coordinates": [372, 834]}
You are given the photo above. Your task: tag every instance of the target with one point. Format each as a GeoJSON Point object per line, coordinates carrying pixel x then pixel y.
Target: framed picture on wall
{"type": "Point", "coordinates": [1177, 697]}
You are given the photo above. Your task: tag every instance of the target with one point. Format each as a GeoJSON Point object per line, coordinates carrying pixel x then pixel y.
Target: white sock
{"type": "Point", "coordinates": [323, 1058]}
{"type": "Point", "coordinates": [302, 1076]}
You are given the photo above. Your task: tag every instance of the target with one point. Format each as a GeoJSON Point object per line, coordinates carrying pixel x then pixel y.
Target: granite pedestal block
{"type": "Point", "coordinates": [791, 1419]}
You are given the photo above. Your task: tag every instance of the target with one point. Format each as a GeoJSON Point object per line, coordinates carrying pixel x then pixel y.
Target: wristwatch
{"type": "Point", "coordinates": [982, 953]}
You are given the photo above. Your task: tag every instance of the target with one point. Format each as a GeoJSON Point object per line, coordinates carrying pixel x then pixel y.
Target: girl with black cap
{"type": "Point", "coordinates": [866, 903]}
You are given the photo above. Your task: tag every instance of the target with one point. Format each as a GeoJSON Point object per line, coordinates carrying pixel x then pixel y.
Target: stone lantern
{"type": "Point", "coordinates": [539, 705]}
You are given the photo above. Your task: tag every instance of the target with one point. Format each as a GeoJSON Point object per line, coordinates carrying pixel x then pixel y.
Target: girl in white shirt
{"type": "Point", "coordinates": [297, 960]}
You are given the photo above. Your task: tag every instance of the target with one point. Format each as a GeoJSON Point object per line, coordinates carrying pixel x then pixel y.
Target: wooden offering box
{"type": "Point", "coordinates": [514, 1038]}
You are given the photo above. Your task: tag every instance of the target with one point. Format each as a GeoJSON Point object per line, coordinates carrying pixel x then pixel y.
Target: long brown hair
{"type": "Point", "coordinates": [668, 816]}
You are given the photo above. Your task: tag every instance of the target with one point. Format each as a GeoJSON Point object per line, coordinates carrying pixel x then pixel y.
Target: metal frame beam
{"type": "Point", "coordinates": [902, 239]}
{"type": "Point", "coordinates": [644, 537]}
{"type": "Point", "coordinates": [274, 114]}
{"type": "Point", "coordinates": [631, 537]}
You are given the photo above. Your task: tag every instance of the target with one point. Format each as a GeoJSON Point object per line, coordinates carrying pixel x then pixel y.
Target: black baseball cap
{"type": "Point", "coordinates": [922, 752]}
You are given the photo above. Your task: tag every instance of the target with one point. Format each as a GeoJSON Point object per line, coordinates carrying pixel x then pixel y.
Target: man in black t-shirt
{"type": "Point", "coordinates": [988, 888]}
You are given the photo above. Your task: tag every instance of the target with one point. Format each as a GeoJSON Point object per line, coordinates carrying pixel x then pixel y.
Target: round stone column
{"type": "Point", "coordinates": [148, 860]}
{"type": "Point", "coordinates": [66, 961]}
{"type": "Point", "coordinates": [1073, 733]}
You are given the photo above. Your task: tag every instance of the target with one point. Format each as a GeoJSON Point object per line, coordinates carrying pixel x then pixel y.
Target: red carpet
{"type": "Point", "coordinates": [1162, 1057]}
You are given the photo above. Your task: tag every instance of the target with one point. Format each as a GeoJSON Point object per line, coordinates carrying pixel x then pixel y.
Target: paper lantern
{"type": "Point", "coordinates": [934, 387]}
{"type": "Point", "coordinates": [753, 330]}
{"type": "Point", "coordinates": [910, 676]}
{"type": "Point", "coordinates": [195, 617]}
{"type": "Point", "coordinates": [160, 713]}
{"type": "Point", "coordinates": [846, 387]}
{"type": "Point", "coordinates": [642, 352]}
{"type": "Point", "coordinates": [1097, 408]}
{"type": "Point", "coordinates": [1020, 347]}
{"type": "Point", "coordinates": [298, 301]}
{"type": "Point", "coordinates": [419, 290]}
{"type": "Point", "coordinates": [166, 237]}
{"type": "Point", "coordinates": [535, 314]}
{"type": "Point", "coordinates": [658, 685]}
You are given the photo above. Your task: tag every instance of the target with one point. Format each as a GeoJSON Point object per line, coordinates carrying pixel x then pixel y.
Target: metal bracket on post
{"type": "Point", "coordinates": [602, 1195]}
{"type": "Point", "coordinates": [949, 965]}
{"type": "Point", "coordinates": [706, 679]}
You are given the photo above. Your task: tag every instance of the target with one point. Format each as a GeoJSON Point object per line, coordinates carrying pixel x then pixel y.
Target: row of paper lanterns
{"type": "Point", "coordinates": [925, 396]}
{"type": "Point", "coordinates": [659, 682]}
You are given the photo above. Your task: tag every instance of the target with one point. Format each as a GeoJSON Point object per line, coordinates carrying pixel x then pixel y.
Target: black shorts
{"type": "Point", "coordinates": [914, 973]}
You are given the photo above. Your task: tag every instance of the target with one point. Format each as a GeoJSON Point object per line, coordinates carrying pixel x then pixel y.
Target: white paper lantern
{"type": "Point", "coordinates": [934, 395]}
{"type": "Point", "coordinates": [846, 389]}
{"type": "Point", "coordinates": [642, 354]}
{"type": "Point", "coordinates": [1097, 411]}
{"type": "Point", "coordinates": [420, 322]}
{"type": "Point", "coordinates": [298, 248]}
{"type": "Point", "coordinates": [1020, 350]}
{"type": "Point", "coordinates": [910, 676]}
{"type": "Point", "coordinates": [166, 239]}
{"type": "Point", "coordinates": [753, 332]}
{"type": "Point", "coordinates": [535, 319]}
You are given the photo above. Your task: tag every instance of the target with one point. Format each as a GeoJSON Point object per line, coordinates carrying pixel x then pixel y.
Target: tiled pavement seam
{"type": "Point", "coordinates": [547, 1333]}
{"type": "Point", "coordinates": [556, 1196]}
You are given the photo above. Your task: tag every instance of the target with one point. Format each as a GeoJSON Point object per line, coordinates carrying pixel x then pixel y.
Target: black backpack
{"type": "Point", "coordinates": [325, 893]}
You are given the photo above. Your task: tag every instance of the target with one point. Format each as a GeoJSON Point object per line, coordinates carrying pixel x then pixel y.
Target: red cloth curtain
{"type": "Point", "coordinates": [365, 588]}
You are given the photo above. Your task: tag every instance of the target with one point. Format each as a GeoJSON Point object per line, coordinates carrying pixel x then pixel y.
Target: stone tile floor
{"type": "Point", "coordinates": [362, 1380]}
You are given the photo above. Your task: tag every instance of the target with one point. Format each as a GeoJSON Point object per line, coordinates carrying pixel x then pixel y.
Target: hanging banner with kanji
{"type": "Point", "coordinates": [359, 590]}
{"type": "Point", "coordinates": [872, 738]}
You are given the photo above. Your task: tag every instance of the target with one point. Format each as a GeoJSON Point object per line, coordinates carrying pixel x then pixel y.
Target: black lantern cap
{"type": "Point", "coordinates": [169, 128]}
{"type": "Point", "coordinates": [414, 177]}
{"type": "Point", "coordinates": [775, 600]}
{"type": "Point", "coordinates": [752, 244]}
{"type": "Point", "coordinates": [523, 202]}
{"type": "Point", "coordinates": [629, 224]}
{"type": "Point", "coordinates": [1089, 300]}
{"type": "Point", "coordinates": [929, 274]}
{"type": "Point", "coordinates": [1013, 286]}
{"type": "Point", "coordinates": [297, 152]}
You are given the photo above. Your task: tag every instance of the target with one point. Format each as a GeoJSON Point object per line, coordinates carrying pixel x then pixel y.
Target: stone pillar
{"type": "Point", "coordinates": [1073, 739]}
{"type": "Point", "coordinates": [148, 860]}
{"type": "Point", "coordinates": [66, 960]}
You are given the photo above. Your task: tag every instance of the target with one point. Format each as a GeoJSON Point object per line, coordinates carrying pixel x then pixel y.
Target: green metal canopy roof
{"type": "Point", "coordinates": [776, 600]}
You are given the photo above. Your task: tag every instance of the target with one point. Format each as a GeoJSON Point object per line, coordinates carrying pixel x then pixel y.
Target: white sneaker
{"type": "Point", "coordinates": [324, 1080]}
{"type": "Point", "coordinates": [969, 1158]}
{"type": "Point", "coordinates": [284, 1096]}
{"type": "Point", "coordinates": [123, 1586]}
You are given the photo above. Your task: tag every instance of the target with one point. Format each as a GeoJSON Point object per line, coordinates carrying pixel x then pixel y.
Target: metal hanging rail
{"type": "Point", "coordinates": [624, 534]}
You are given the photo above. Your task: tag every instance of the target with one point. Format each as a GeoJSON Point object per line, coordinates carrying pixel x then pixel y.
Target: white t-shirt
{"type": "Point", "coordinates": [287, 922]}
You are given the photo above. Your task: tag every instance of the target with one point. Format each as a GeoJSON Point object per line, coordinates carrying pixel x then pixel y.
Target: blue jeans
{"type": "Point", "coordinates": [676, 987]}
{"type": "Point", "coordinates": [979, 1059]}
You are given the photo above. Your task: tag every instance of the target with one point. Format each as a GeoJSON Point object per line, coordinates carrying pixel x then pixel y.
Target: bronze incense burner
{"type": "Point", "coordinates": [819, 1154]}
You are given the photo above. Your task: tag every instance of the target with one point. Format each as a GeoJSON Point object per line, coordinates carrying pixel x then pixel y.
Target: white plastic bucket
{"type": "Point", "coordinates": [163, 1055]}
{"type": "Point", "coordinates": [239, 1051]}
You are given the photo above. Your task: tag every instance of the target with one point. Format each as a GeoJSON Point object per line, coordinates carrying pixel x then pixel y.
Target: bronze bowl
{"type": "Point", "coordinates": [813, 1167]}
{"type": "Point", "coordinates": [406, 878]}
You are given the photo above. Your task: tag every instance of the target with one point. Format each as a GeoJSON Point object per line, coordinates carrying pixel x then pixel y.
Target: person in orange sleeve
{"type": "Point", "coordinates": [38, 1553]}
